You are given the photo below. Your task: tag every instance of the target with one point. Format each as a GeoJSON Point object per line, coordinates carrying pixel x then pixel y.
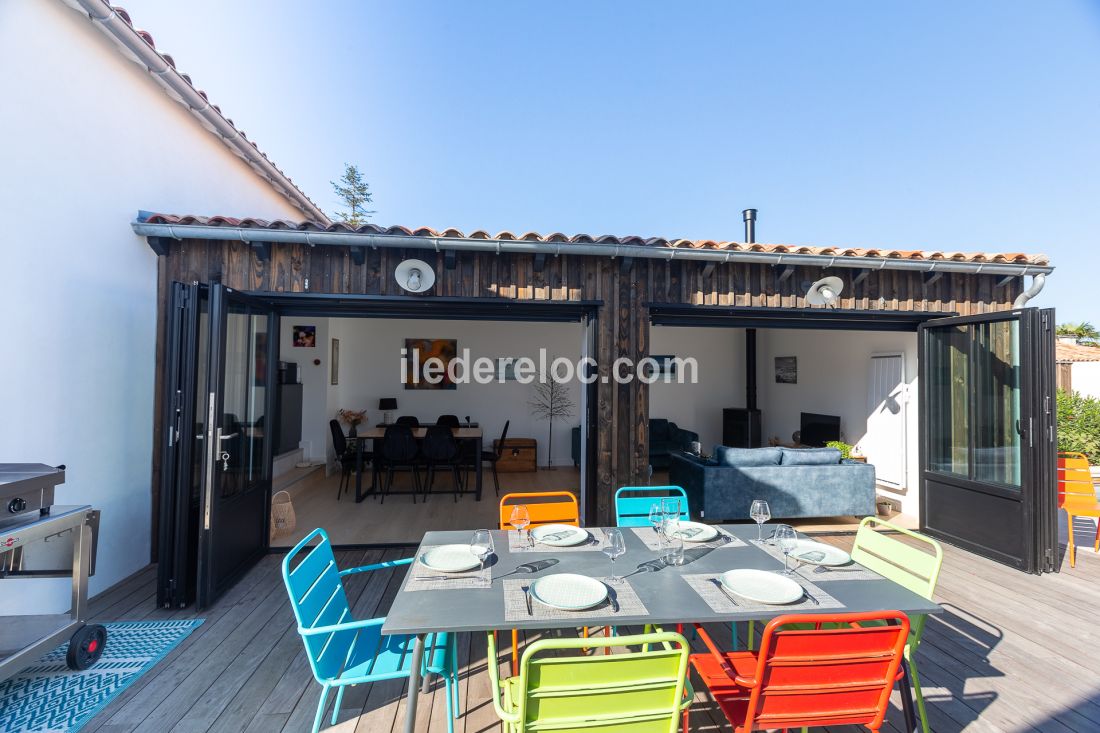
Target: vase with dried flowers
{"type": "Point", "coordinates": [352, 418]}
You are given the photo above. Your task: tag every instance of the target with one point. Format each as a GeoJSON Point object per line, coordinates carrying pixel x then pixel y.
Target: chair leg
{"type": "Point", "coordinates": [750, 641]}
{"type": "Point", "coordinates": [686, 725]}
{"type": "Point", "coordinates": [917, 691]}
{"type": "Point", "coordinates": [515, 652]}
{"type": "Point", "coordinates": [448, 689]}
{"type": "Point", "coordinates": [336, 707]}
{"type": "Point", "coordinates": [496, 481]}
{"type": "Point", "coordinates": [457, 480]}
{"type": "Point", "coordinates": [1070, 549]}
{"type": "Point", "coordinates": [320, 709]}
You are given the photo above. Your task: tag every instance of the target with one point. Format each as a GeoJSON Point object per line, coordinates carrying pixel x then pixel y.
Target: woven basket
{"type": "Point", "coordinates": [283, 520]}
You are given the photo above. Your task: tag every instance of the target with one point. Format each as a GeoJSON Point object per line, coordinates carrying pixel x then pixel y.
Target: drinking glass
{"type": "Point", "coordinates": [671, 508]}
{"type": "Point", "coordinates": [614, 547]}
{"type": "Point", "coordinates": [481, 544]}
{"type": "Point", "coordinates": [520, 519]}
{"type": "Point", "coordinates": [786, 538]}
{"type": "Point", "coordinates": [760, 512]}
{"type": "Point", "coordinates": [657, 520]}
{"type": "Point", "coordinates": [675, 555]}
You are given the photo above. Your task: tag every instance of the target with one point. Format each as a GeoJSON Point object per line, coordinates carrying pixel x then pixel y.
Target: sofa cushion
{"type": "Point", "coordinates": [747, 457]}
{"type": "Point", "coordinates": [658, 429]}
{"type": "Point", "coordinates": [810, 457]}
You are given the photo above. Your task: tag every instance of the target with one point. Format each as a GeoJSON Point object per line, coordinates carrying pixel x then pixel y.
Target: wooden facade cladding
{"type": "Point", "coordinates": [624, 286]}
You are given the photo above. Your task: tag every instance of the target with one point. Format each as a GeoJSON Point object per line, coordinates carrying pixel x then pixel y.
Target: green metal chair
{"type": "Point", "coordinates": [638, 691]}
{"type": "Point", "coordinates": [910, 567]}
{"type": "Point", "coordinates": [344, 652]}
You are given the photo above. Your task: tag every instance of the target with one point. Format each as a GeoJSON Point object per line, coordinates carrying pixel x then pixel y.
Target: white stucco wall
{"type": "Point", "coordinates": [1085, 378]}
{"type": "Point", "coordinates": [88, 139]}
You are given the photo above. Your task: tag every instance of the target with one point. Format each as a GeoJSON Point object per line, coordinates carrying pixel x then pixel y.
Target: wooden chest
{"type": "Point", "coordinates": [520, 454]}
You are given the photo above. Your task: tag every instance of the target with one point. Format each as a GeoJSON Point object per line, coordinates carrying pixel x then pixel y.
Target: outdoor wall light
{"type": "Point", "coordinates": [416, 276]}
{"type": "Point", "coordinates": [825, 291]}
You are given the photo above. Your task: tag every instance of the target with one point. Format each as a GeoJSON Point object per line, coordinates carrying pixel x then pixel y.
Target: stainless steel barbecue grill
{"type": "Point", "coordinates": [37, 539]}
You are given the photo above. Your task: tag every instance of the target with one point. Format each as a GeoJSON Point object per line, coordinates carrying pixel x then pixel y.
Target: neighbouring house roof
{"type": "Point", "coordinates": [137, 45]}
{"type": "Point", "coordinates": [1066, 352]}
{"type": "Point", "coordinates": [886, 254]}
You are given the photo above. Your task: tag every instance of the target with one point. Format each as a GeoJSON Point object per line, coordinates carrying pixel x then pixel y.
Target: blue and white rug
{"type": "Point", "coordinates": [48, 697]}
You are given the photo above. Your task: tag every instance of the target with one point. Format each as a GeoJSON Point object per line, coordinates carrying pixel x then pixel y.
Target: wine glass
{"type": "Point", "coordinates": [481, 544]}
{"type": "Point", "coordinates": [614, 547]}
{"type": "Point", "coordinates": [787, 539]}
{"type": "Point", "coordinates": [520, 519]}
{"type": "Point", "coordinates": [671, 508]}
{"type": "Point", "coordinates": [760, 512]}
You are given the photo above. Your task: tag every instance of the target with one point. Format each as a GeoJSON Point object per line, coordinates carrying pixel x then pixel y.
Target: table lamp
{"type": "Point", "coordinates": [387, 405]}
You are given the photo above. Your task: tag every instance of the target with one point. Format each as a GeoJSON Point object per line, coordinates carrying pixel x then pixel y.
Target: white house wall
{"type": "Point", "coordinates": [1085, 378]}
{"type": "Point", "coordinates": [89, 139]}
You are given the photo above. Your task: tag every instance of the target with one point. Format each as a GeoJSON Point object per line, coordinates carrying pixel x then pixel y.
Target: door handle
{"type": "Point", "coordinates": [226, 437]}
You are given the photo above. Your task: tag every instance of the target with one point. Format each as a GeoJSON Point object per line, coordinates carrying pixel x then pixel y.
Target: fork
{"type": "Point", "coordinates": [527, 595]}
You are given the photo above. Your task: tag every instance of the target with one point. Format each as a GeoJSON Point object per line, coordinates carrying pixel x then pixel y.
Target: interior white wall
{"type": "Point", "coordinates": [1085, 378]}
{"type": "Point", "coordinates": [89, 140]}
{"type": "Point", "coordinates": [721, 378]}
{"type": "Point", "coordinates": [370, 353]}
{"type": "Point", "coordinates": [833, 370]}
{"type": "Point", "coordinates": [315, 383]}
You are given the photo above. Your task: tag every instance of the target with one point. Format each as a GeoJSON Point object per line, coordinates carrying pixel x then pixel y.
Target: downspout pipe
{"type": "Point", "coordinates": [1038, 280]}
{"type": "Point", "coordinates": [521, 246]}
{"type": "Point", "coordinates": [107, 20]}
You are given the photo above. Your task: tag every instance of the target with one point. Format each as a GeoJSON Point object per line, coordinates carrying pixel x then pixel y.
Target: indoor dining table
{"type": "Point", "coordinates": [663, 589]}
{"type": "Point", "coordinates": [376, 433]}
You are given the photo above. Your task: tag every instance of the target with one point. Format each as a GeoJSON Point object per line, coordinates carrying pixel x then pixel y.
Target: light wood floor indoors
{"type": "Point", "coordinates": [1012, 652]}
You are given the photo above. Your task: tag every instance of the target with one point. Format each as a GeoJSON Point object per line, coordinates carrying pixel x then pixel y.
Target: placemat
{"type": "Point", "coordinates": [653, 541]}
{"type": "Point", "coordinates": [852, 571]}
{"type": "Point", "coordinates": [421, 577]}
{"type": "Point", "coordinates": [719, 602]}
{"type": "Point", "coordinates": [515, 603]}
{"type": "Point", "coordinates": [516, 543]}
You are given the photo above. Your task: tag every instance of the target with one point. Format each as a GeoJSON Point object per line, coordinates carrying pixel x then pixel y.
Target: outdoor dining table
{"type": "Point", "coordinates": [377, 432]}
{"type": "Point", "coordinates": [668, 599]}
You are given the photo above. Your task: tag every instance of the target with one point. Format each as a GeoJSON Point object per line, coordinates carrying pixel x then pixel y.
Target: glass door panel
{"type": "Point", "coordinates": [948, 378]}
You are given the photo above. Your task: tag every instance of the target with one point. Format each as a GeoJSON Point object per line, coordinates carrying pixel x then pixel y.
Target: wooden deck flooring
{"type": "Point", "coordinates": [1012, 652]}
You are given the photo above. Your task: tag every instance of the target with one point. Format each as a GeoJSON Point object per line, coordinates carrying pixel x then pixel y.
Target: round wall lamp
{"type": "Point", "coordinates": [416, 276]}
{"type": "Point", "coordinates": [825, 291]}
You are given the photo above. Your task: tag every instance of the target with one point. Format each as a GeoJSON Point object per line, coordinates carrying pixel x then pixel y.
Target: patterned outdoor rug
{"type": "Point", "coordinates": [48, 697]}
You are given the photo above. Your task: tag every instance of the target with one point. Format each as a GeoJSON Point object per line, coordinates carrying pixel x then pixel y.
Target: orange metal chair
{"type": "Point", "coordinates": [1077, 495]}
{"type": "Point", "coordinates": [811, 676]}
{"type": "Point", "coordinates": [543, 507]}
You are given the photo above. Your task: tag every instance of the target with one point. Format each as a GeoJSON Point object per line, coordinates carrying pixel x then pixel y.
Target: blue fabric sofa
{"type": "Point", "coordinates": [796, 482]}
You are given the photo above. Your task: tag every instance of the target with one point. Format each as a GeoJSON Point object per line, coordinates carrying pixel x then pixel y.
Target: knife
{"type": "Point", "coordinates": [726, 593]}
{"type": "Point", "coordinates": [811, 596]}
{"type": "Point", "coordinates": [527, 595]}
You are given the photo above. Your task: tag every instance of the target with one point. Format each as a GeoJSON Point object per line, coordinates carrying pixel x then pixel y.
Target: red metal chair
{"type": "Point", "coordinates": [812, 676]}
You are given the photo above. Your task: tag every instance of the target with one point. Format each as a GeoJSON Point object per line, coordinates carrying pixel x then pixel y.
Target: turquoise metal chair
{"type": "Point", "coordinates": [632, 503]}
{"type": "Point", "coordinates": [345, 652]}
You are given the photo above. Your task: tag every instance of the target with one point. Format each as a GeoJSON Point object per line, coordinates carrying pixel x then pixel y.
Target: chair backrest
{"type": "Point", "coordinates": [339, 442]}
{"type": "Point", "coordinates": [410, 421]}
{"type": "Point", "coordinates": [826, 676]}
{"type": "Point", "coordinates": [637, 691]}
{"type": "Point", "coordinates": [908, 566]}
{"type": "Point", "coordinates": [503, 437]}
{"type": "Point", "coordinates": [545, 507]}
{"type": "Point", "coordinates": [439, 443]}
{"type": "Point", "coordinates": [632, 503]}
{"type": "Point", "coordinates": [318, 599]}
{"type": "Point", "coordinates": [398, 443]}
{"type": "Point", "coordinates": [1074, 478]}
{"type": "Point", "coordinates": [449, 421]}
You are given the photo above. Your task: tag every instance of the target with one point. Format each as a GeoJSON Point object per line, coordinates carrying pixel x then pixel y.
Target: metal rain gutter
{"type": "Point", "coordinates": [107, 20]}
{"type": "Point", "coordinates": [465, 244]}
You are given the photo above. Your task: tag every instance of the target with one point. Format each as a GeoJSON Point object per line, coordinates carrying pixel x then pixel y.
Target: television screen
{"type": "Point", "coordinates": [817, 430]}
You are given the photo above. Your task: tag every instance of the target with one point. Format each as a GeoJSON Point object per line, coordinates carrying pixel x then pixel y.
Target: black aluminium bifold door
{"type": "Point", "coordinates": [988, 435]}
{"type": "Point", "coordinates": [216, 458]}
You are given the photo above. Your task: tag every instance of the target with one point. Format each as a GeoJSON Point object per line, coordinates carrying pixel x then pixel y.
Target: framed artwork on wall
{"type": "Point", "coordinates": [786, 370]}
{"type": "Point", "coordinates": [426, 363]}
{"type": "Point", "coordinates": [305, 336]}
{"type": "Point", "coordinates": [335, 362]}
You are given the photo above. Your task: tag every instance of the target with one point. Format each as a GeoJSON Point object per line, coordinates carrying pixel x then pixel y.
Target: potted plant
{"type": "Point", "coordinates": [351, 418]}
{"type": "Point", "coordinates": [550, 402]}
{"type": "Point", "coordinates": [844, 448]}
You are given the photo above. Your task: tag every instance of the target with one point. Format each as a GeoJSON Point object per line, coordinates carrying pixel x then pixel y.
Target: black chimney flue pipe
{"type": "Point", "coordinates": [750, 225]}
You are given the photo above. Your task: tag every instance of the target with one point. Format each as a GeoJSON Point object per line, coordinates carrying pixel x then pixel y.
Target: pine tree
{"type": "Point", "coordinates": [354, 192]}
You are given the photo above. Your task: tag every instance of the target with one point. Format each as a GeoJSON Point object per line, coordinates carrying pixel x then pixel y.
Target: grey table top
{"type": "Point", "coordinates": [665, 594]}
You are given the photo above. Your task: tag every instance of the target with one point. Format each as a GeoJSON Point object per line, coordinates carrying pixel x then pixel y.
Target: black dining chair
{"type": "Point", "coordinates": [448, 421]}
{"type": "Point", "coordinates": [399, 450]}
{"type": "Point", "coordinates": [491, 457]}
{"type": "Point", "coordinates": [408, 421]}
{"type": "Point", "coordinates": [440, 450]}
{"type": "Point", "coordinates": [345, 454]}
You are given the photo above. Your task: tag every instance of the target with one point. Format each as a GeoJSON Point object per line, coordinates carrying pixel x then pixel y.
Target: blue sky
{"type": "Point", "coordinates": [932, 125]}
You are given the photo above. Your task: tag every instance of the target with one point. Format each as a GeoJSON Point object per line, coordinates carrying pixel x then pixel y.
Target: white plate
{"type": "Point", "coordinates": [569, 592]}
{"type": "Point", "coordinates": [819, 553]}
{"type": "Point", "coordinates": [450, 559]}
{"type": "Point", "coordinates": [762, 586]}
{"type": "Point", "coordinates": [559, 535]}
{"type": "Point", "coordinates": [696, 532]}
